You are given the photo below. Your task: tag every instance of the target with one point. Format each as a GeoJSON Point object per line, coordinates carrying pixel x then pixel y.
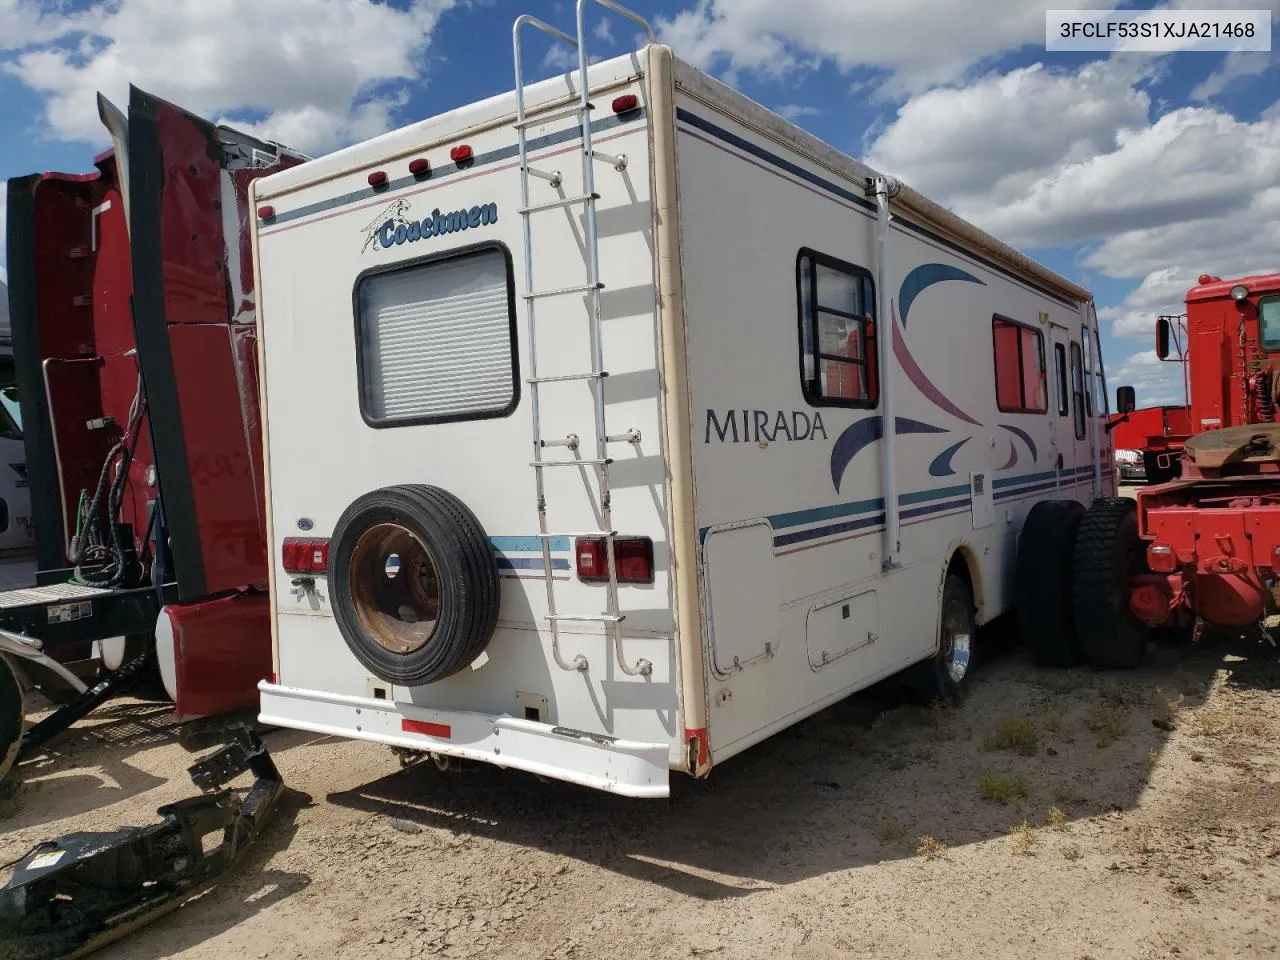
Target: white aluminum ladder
{"type": "Point", "coordinates": [611, 618]}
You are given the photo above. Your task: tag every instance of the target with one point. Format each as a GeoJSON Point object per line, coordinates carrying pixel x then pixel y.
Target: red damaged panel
{"type": "Point", "coordinates": [219, 653]}
{"type": "Point", "coordinates": [221, 455]}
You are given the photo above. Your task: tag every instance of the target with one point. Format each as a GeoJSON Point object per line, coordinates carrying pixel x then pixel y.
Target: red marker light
{"type": "Point", "coordinates": [377, 178]}
{"type": "Point", "coordinates": [266, 213]}
{"type": "Point", "coordinates": [460, 153]}
{"type": "Point", "coordinates": [419, 166]}
{"type": "Point", "coordinates": [625, 103]}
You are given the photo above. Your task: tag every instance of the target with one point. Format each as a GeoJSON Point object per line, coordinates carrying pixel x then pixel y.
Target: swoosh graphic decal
{"type": "Point", "coordinates": [865, 432]}
{"type": "Point", "coordinates": [925, 276]}
{"type": "Point", "coordinates": [941, 466]}
{"type": "Point", "coordinates": [1026, 438]}
{"type": "Point", "coordinates": [1013, 456]}
{"type": "Point", "coordinates": [921, 382]}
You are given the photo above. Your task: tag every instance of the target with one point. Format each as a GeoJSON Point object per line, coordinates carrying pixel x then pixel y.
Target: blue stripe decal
{"type": "Point", "coordinates": [798, 517]}
{"type": "Point", "coordinates": [526, 544]}
{"type": "Point", "coordinates": [747, 147]}
{"type": "Point", "coordinates": [530, 563]}
{"type": "Point", "coordinates": [773, 159]}
{"type": "Point", "coordinates": [1028, 478]}
{"type": "Point", "coordinates": [925, 495]}
{"type": "Point", "coordinates": [451, 169]}
{"type": "Point", "coordinates": [935, 508]}
{"type": "Point", "coordinates": [788, 538]}
{"type": "Point", "coordinates": [1025, 491]}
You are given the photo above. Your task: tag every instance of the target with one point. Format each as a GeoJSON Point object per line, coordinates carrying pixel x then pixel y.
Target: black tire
{"type": "Point", "coordinates": [450, 573]}
{"type": "Point", "coordinates": [1042, 593]}
{"type": "Point", "coordinates": [1108, 553]}
{"type": "Point", "coordinates": [945, 675]}
{"type": "Point", "coordinates": [13, 713]}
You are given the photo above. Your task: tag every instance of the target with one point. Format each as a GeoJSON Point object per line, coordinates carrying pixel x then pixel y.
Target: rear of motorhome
{"type": "Point", "coordinates": [609, 432]}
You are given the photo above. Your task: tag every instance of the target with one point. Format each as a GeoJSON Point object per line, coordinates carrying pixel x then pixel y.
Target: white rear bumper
{"type": "Point", "coordinates": [628, 767]}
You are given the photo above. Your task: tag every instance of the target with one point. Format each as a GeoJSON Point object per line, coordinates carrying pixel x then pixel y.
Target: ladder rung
{"type": "Point", "coordinates": [575, 110]}
{"type": "Point", "coordinates": [598, 534]}
{"type": "Point", "coordinates": [588, 617]}
{"type": "Point", "coordinates": [571, 441]}
{"type": "Point", "coordinates": [553, 177]}
{"type": "Point", "coordinates": [572, 463]}
{"type": "Point", "coordinates": [618, 162]}
{"type": "Point", "coordinates": [561, 291]}
{"type": "Point", "coordinates": [566, 202]}
{"type": "Point", "coordinates": [569, 376]}
{"type": "Point", "coordinates": [631, 436]}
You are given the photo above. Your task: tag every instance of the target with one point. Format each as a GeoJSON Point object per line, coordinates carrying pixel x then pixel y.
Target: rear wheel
{"type": "Point", "coordinates": [12, 715]}
{"type": "Point", "coordinates": [1108, 555]}
{"type": "Point", "coordinates": [1046, 620]}
{"type": "Point", "coordinates": [945, 675]}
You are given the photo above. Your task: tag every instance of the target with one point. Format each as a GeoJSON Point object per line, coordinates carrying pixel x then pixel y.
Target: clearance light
{"type": "Point", "coordinates": [420, 167]}
{"type": "Point", "coordinates": [461, 153]}
{"type": "Point", "coordinates": [378, 178]}
{"type": "Point", "coordinates": [632, 557]}
{"type": "Point", "coordinates": [305, 556]}
{"type": "Point", "coordinates": [625, 103]}
{"type": "Point", "coordinates": [266, 213]}
{"type": "Point", "coordinates": [1160, 558]}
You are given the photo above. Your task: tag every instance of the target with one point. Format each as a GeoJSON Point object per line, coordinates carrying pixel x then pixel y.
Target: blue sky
{"type": "Point", "coordinates": [1129, 173]}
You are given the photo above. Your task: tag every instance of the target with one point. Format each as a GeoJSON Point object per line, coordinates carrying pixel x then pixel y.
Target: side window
{"type": "Point", "coordinates": [1060, 370]}
{"type": "Point", "coordinates": [837, 308]}
{"type": "Point", "coordinates": [1269, 323]}
{"type": "Point", "coordinates": [1077, 389]}
{"type": "Point", "coordinates": [1021, 383]}
{"type": "Point", "coordinates": [1103, 404]}
{"type": "Point", "coordinates": [436, 340]}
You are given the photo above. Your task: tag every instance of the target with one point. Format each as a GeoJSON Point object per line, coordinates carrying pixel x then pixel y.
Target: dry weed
{"type": "Point", "coordinates": [1057, 819]}
{"type": "Point", "coordinates": [1024, 837]}
{"type": "Point", "coordinates": [891, 831]}
{"type": "Point", "coordinates": [1014, 732]}
{"type": "Point", "coordinates": [994, 788]}
{"type": "Point", "coordinates": [931, 848]}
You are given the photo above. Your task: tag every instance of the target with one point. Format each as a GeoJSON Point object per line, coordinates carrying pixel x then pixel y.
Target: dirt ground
{"type": "Point", "coordinates": [1055, 814]}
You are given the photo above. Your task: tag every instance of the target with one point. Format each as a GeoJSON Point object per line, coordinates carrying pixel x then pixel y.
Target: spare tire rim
{"type": "Point", "coordinates": [395, 588]}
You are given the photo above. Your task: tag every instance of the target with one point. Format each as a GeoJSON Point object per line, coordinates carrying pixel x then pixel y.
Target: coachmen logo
{"type": "Point", "coordinates": [394, 226]}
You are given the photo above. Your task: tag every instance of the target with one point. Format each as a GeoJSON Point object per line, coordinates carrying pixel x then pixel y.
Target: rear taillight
{"type": "Point", "coordinates": [305, 556]}
{"type": "Point", "coordinates": [1161, 559]}
{"type": "Point", "coordinates": [632, 556]}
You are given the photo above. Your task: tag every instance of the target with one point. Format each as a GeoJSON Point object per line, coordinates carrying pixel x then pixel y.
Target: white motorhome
{"type": "Point", "coordinates": [575, 434]}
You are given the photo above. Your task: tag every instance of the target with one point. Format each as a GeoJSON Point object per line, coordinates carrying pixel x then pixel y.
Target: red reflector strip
{"type": "Point", "coordinates": [441, 731]}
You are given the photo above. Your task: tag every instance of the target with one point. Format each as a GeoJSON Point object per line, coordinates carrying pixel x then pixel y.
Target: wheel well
{"type": "Point", "coordinates": [964, 565]}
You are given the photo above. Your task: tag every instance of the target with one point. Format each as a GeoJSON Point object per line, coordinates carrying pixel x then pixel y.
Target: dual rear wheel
{"type": "Point", "coordinates": [1074, 568]}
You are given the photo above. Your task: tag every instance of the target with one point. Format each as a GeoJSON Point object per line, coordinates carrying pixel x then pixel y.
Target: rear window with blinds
{"type": "Point", "coordinates": [436, 340]}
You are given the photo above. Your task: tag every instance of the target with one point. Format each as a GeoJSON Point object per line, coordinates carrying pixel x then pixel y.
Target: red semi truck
{"type": "Point", "coordinates": [1201, 550]}
{"type": "Point", "coordinates": [131, 293]}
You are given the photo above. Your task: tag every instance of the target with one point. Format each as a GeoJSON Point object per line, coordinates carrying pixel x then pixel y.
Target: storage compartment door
{"type": "Point", "coordinates": [742, 595]}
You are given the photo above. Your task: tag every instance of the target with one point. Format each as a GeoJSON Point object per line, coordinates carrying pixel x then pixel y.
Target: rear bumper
{"type": "Point", "coordinates": [627, 767]}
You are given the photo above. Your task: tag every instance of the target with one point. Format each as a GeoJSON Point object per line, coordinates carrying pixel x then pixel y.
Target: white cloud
{"type": "Point", "coordinates": [986, 145]}
{"type": "Point", "coordinates": [1045, 159]}
{"type": "Point", "coordinates": [322, 73]}
{"type": "Point", "coordinates": [1161, 292]}
{"type": "Point", "coordinates": [1155, 381]}
{"type": "Point", "coordinates": [918, 43]}
{"type": "Point", "coordinates": [1234, 67]}
{"type": "Point", "coordinates": [604, 32]}
{"type": "Point", "coordinates": [795, 111]}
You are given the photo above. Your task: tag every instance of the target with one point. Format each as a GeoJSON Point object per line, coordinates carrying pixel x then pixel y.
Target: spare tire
{"type": "Point", "coordinates": [413, 583]}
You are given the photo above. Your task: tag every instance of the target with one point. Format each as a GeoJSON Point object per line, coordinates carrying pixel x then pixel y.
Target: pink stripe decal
{"type": "Point", "coordinates": [921, 382]}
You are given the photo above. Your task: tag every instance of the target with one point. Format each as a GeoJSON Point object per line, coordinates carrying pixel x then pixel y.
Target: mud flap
{"type": "Point", "coordinates": [71, 896]}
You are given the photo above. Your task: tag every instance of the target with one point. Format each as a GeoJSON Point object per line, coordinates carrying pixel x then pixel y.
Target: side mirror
{"type": "Point", "coordinates": [1162, 338]}
{"type": "Point", "coordinates": [1126, 401]}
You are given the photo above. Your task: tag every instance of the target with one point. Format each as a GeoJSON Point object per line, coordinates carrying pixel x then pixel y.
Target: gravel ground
{"type": "Point", "coordinates": [1057, 813]}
